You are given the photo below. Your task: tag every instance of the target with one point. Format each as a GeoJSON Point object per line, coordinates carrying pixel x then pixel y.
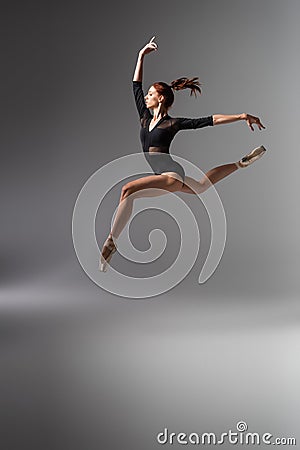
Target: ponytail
{"type": "Point", "coordinates": [181, 83]}
{"type": "Point", "coordinates": [185, 83]}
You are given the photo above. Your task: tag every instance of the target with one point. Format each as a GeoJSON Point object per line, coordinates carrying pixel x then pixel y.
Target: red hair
{"type": "Point", "coordinates": [181, 83]}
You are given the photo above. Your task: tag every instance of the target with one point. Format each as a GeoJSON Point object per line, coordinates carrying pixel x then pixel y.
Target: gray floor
{"type": "Point", "coordinates": [85, 369]}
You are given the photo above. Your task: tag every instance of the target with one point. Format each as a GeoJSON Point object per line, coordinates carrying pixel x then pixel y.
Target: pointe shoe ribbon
{"type": "Point", "coordinates": [112, 247]}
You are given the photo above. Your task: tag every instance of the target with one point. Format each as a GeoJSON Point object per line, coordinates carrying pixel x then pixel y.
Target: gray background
{"type": "Point", "coordinates": [84, 369]}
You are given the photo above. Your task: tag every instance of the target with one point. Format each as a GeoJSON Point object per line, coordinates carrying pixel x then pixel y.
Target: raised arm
{"type": "Point", "coordinates": [219, 119]}
{"type": "Point", "coordinates": [138, 73]}
{"type": "Point", "coordinates": [150, 47]}
{"type": "Point", "coordinates": [138, 93]}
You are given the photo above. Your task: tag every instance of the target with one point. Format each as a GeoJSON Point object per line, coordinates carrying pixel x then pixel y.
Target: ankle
{"type": "Point", "coordinates": [111, 237]}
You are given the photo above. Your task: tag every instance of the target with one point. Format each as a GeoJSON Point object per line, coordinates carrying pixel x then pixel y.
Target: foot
{"type": "Point", "coordinates": [108, 249]}
{"type": "Point", "coordinates": [252, 156]}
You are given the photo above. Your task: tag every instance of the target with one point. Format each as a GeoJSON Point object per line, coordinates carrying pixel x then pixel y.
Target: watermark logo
{"type": "Point", "coordinates": [241, 436]}
{"type": "Point", "coordinates": [241, 426]}
{"type": "Point", "coordinates": [87, 249]}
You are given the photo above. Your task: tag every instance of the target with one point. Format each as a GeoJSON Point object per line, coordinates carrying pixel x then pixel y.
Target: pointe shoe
{"type": "Point", "coordinates": [112, 248]}
{"type": "Point", "coordinates": [252, 156]}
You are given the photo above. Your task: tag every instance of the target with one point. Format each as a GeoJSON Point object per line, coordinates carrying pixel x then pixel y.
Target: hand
{"type": "Point", "coordinates": [150, 47]}
{"type": "Point", "coordinates": [253, 120]}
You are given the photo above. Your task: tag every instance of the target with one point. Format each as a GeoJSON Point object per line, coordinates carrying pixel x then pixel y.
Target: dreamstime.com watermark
{"type": "Point", "coordinates": [87, 249]}
{"type": "Point", "coordinates": [241, 436]}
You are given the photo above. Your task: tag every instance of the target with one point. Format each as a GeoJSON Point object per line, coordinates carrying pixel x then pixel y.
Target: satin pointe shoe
{"type": "Point", "coordinates": [252, 156]}
{"type": "Point", "coordinates": [108, 249]}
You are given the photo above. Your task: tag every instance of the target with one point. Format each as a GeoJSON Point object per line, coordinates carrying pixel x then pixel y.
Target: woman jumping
{"type": "Point", "coordinates": [157, 132]}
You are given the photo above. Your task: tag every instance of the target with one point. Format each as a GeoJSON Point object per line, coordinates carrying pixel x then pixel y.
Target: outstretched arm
{"type": "Point", "coordinates": [219, 119]}
{"type": "Point", "coordinates": [138, 73]}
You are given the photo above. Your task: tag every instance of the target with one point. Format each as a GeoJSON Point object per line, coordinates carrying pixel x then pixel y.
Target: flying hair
{"type": "Point", "coordinates": [187, 83]}
{"type": "Point", "coordinates": [177, 85]}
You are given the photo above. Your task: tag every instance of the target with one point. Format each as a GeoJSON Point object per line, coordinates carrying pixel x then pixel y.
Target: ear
{"type": "Point", "coordinates": [161, 98]}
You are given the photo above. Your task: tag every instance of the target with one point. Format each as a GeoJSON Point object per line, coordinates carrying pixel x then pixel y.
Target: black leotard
{"type": "Point", "coordinates": [156, 143]}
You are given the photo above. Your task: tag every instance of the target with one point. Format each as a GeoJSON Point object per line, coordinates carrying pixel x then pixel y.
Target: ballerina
{"type": "Point", "coordinates": [157, 132]}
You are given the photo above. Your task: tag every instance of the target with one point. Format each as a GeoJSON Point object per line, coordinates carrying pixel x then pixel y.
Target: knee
{"type": "Point", "coordinates": [204, 184]}
{"type": "Point", "coordinates": [126, 191]}
{"type": "Point", "coordinates": [200, 187]}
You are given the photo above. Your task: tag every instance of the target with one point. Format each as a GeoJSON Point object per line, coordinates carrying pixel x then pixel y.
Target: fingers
{"type": "Point", "coordinates": [149, 47]}
{"type": "Point", "coordinates": [256, 121]}
{"type": "Point", "coordinates": [249, 123]}
{"type": "Point", "coordinates": [259, 124]}
{"type": "Point", "coordinates": [152, 44]}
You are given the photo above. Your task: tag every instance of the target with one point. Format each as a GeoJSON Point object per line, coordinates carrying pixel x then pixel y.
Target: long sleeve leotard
{"type": "Point", "coordinates": [157, 141]}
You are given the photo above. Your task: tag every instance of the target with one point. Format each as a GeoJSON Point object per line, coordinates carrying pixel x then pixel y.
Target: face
{"type": "Point", "coordinates": [152, 98]}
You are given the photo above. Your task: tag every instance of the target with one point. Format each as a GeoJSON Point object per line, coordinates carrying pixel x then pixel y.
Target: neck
{"type": "Point", "coordinates": [159, 112]}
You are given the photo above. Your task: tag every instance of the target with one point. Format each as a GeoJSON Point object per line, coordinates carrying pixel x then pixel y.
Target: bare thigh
{"type": "Point", "coordinates": [153, 185]}
{"type": "Point", "coordinates": [192, 186]}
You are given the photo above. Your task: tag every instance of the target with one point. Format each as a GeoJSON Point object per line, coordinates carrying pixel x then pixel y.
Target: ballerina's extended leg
{"type": "Point", "coordinates": [216, 174]}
